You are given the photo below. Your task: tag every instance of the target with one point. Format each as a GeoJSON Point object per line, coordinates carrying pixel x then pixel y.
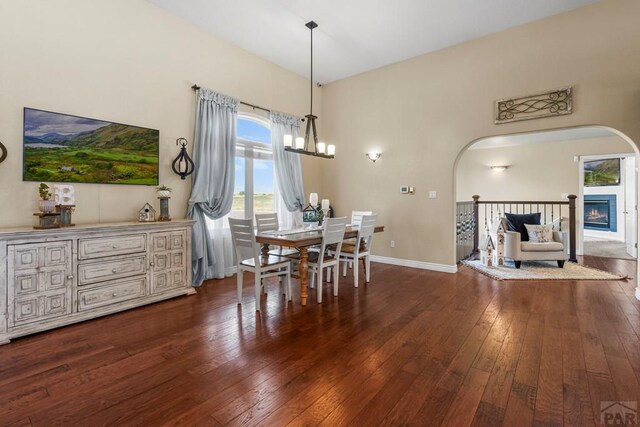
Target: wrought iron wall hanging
{"type": "Point", "coordinates": [556, 102]}
{"type": "Point", "coordinates": [3, 152]}
{"type": "Point", "coordinates": [182, 165]}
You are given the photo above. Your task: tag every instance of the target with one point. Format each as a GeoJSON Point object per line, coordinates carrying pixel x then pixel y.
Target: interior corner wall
{"type": "Point", "coordinates": [421, 113]}
{"type": "Point", "coordinates": [539, 171]}
{"type": "Point", "coordinates": [126, 61]}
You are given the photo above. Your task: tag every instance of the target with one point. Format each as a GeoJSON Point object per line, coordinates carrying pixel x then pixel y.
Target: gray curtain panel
{"type": "Point", "coordinates": [213, 176]}
{"type": "Point", "coordinates": [287, 165]}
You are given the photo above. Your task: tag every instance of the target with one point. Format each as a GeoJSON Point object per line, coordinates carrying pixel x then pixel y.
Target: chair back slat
{"type": "Point", "coordinates": [333, 231]}
{"type": "Point", "coordinates": [244, 239]}
{"type": "Point", "coordinates": [367, 227]}
{"type": "Point", "coordinates": [267, 222]}
{"type": "Point", "coordinates": [356, 216]}
{"type": "Point", "coordinates": [332, 234]}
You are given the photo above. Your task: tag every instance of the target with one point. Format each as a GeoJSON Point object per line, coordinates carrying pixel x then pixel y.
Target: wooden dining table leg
{"type": "Point", "coordinates": [303, 267]}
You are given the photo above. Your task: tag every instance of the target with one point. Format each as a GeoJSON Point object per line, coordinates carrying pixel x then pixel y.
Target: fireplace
{"type": "Point", "coordinates": [600, 212]}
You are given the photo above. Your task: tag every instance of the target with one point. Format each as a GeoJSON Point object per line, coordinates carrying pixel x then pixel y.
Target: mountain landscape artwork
{"type": "Point", "coordinates": [65, 148]}
{"type": "Point", "coordinates": [598, 173]}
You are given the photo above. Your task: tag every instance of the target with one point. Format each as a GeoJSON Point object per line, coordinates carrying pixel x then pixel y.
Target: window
{"type": "Point", "coordinates": [255, 180]}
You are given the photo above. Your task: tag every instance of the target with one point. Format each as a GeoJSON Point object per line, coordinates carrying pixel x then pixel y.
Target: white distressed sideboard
{"type": "Point", "coordinates": [50, 278]}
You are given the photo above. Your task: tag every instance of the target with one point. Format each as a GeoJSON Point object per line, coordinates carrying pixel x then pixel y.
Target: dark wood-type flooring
{"type": "Point", "coordinates": [413, 347]}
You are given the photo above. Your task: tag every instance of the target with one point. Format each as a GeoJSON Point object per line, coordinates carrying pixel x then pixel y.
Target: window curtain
{"type": "Point", "coordinates": [213, 177]}
{"type": "Point", "coordinates": [287, 165]}
{"type": "Point", "coordinates": [286, 220]}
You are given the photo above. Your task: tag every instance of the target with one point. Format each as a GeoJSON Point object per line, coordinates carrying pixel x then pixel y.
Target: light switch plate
{"type": "Point", "coordinates": [433, 194]}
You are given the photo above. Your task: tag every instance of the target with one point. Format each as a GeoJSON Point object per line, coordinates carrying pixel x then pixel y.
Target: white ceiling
{"type": "Point", "coordinates": [354, 36]}
{"type": "Point", "coordinates": [541, 137]}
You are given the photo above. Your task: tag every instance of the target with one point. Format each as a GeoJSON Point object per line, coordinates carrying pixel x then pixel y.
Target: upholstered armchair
{"type": "Point", "coordinates": [519, 251]}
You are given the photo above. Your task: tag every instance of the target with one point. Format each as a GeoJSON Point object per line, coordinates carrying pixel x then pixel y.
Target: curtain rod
{"type": "Point", "coordinates": [196, 87]}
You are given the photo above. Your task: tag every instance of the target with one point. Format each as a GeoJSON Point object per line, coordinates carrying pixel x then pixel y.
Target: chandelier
{"type": "Point", "coordinates": [304, 145]}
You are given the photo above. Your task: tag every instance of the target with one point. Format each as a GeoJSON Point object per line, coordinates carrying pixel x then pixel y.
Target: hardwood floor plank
{"type": "Point", "coordinates": [362, 380]}
{"type": "Point", "coordinates": [458, 355]}
{"type": "Point", "coordinates": [549, 405]}
{"type": "Point", "coordinates": [412, 347]}
{"type": "Point", "coordinates": [465, 404]}
{"type": "Point", "coordinates": [522, 397]}
{"type": "Point", "coordinates": [463, 360]}
{"type": "Point", "coordinates": [576, 400]}
{"type": "Point", "coordinates": [632, 347]}
{"type": "Point", "coordinates": [496, 392]}
{"type": "Point", "coordinates": [264, 382]}
{"type": "Point", "coordinates": [622, 372]}
{"type": "Point", "coordinates": [328, 368]}
{"type": "Point", "coordinates": [437, 402]}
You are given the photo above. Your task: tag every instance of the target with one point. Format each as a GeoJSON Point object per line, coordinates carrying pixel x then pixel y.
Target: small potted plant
{"type": "Point", "coordinates": [163, 192]}
{"type": "Point", "coordinates": [46, 203]}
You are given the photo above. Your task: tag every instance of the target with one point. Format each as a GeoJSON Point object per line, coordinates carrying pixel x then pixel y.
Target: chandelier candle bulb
{"type": "Point", "coordinates": [321, 147]}
{"type": "Point", "coordinates": [313, 199]}
{"type": "Point", "coordinates": [288, 140]}
{"type": "Point", "coordinates": [331, 150]}
{"type": "Point", "coordinates": [299, 143]}
{"type": "Point", "coordinates": [325, 203]}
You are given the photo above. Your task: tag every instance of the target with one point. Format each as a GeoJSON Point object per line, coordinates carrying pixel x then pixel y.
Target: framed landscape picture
{"type": "Point", "coordinates": [65, 148]}
{"type": "Point", "coordinates": [598, 173]}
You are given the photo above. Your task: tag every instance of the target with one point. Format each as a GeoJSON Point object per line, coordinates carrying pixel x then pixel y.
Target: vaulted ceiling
{"type": "Point", "coordinates": [355, 36]}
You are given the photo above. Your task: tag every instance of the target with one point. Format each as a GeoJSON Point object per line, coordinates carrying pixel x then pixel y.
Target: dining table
{"type": "Point", "coordinates": [302, 239]}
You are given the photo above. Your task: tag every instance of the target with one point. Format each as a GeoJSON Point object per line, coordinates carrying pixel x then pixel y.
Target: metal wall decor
{"type": "Point", "coordinates": [3, 152]}
{"type": "Point", "coordinates": [556, 102]}
{"type": "Point", "coordinates": [183, 165]}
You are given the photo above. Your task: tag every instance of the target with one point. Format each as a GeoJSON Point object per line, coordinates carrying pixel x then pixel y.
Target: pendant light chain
{"type": "Point", "coordinates": [302, 145]}
{"type": "Point", "coordinates": [311, 81]}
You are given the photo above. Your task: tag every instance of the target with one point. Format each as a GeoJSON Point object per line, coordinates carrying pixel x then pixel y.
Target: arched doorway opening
{"type": "Point", "coordinates": [549, 165]}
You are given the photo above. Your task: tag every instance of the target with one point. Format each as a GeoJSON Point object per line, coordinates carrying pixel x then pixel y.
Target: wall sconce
{"type": "Point", "coordinates": [3, 152]}
{"type": "Point", "coordinates": [499, 168]}
{"type": "Point", "coordinates": [373, 156]}
{"type": "Point", "coordinates": [182, 165]}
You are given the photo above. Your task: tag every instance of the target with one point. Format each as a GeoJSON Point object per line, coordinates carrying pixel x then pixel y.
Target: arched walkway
{"type": "Point", "coordinates": [632, 145]}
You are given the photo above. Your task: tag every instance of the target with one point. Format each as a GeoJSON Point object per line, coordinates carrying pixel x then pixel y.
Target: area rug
{"type": "Point", "coordinates": [542, 270]}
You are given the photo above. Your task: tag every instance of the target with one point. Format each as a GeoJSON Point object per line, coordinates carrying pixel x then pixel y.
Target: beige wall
{"type": "Point", "coordinates": [130, 62]}
{"type": "Point", "coordinates": [422, 112]}
{"type": "Point", "coordinates": [541, 171]}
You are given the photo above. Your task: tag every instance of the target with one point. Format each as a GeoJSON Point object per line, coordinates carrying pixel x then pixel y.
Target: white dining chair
{"type": "Point", "coordinates": [356, 219]}
{"type": "Point", "coordinates": [268, 221]}
{"type": "Point", "coordinates": [361, 249]}
{"type": "Point", "coordinates": [356, 216]}
{"type": "Point", "coordinates": [248, 258]}
{"type": "Point", "coordinates": [332, 235]}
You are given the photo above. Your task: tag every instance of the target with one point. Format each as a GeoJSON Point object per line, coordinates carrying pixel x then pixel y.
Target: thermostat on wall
{"type": "Point", "coordinates": [405, 189]}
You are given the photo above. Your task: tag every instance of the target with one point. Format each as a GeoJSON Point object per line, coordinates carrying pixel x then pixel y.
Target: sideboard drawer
{"type": "Point", "coordinates": [114, 245]}
{"type": "Point", "coordinates": [102, 270]}
{"type": "Point", "coordinates": [111, 293]}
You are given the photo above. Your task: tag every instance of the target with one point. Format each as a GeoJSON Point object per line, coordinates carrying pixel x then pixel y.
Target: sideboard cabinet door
{"type": "Point", "coordinates": [40, 281]}
{"type": "Point", "coordinates": [168, 261]}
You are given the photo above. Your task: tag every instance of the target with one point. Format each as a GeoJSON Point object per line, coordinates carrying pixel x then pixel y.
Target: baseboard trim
{"type": "Point", "coordinates": [415, 264]}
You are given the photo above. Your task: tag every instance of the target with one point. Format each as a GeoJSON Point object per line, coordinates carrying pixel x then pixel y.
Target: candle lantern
{"type": "Point", "coordinates": [183, 165]}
